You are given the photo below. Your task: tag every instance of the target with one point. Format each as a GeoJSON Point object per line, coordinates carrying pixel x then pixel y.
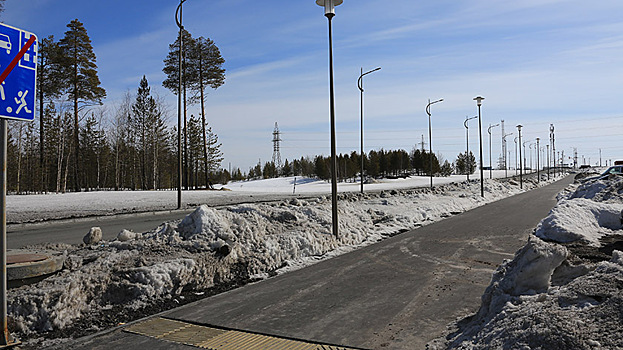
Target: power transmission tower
{"type": "Point", "coordinates": [276, 152]}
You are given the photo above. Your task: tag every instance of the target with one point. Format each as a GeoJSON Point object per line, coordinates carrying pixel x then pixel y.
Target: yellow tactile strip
{"type": "Point", "coordinates": [218, 339]}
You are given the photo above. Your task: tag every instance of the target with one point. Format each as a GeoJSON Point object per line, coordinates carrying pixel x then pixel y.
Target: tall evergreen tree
{"type": "Point", "coordinates": [205, 68]}
{"type": "Point", "coordinates": [214, 152]}
{"type": "Point", "coordinates": [149, 130]}
{"type": "Point", "coordinates": [79, 79]}
{"type": "Point", "coordinates": [141, 110]}
{"type": "Point", "coordinates": [48, 87]}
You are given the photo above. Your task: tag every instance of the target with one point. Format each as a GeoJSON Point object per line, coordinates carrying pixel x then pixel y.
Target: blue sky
{"type": "Point", "coordinates": [535, 62]}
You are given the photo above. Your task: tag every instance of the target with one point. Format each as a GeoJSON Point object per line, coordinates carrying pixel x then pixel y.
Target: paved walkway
{"type": "Point", "coordinates": [397, 294]}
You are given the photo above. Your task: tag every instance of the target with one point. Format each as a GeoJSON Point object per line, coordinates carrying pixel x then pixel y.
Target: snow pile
{"type": "Point", "coordinates": [547, 297]}
{"type": "Point", "coordinates": [590, 212]}
{"type": "Point", "coordinates": [580, 219]}
{"type": "Point", "coordinates": [607, 190]}
{"type": "Point", "coordinates": [213, 247]}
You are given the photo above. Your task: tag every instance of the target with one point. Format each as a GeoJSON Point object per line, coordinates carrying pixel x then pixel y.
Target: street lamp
{"type": "Point", "coordinates": [478, 100]}
{"type": "Point", "coordinates": [538, 171]}
{"type": "Point", "coordinates": [548, 163]}
{"type": "Point", "coordinates": [525, 157]}
{"type": "Point", "coordinates": [520, 164]}
{"type": "Point", "coordinates": [430, 139]}
{"type": "Point", "coordinates": [530, 148]}
{"type": "Point", "coordinates": [516, 169]}
{"type": "Point", "coordinates": [490, 160]}
{"type": "Point", "coordinates": [179, 106]}
{"type": "Point", "coordinates": [360, 86]}
{"type": "Point", "coordinates": [467, 157]}
{"type": "Point", "coordinates": [329, 12]}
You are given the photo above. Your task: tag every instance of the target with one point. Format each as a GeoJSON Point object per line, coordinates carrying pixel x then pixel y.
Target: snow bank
{"type": "Point", "coordinates": [41, 207]}
{"type": "Point", "coordinates": [139, 270]}
{"type": "Point", "coordinates": [580, 219]}
{"type": "Point", "coordinates": [548, 298]}
{"type": "Point", "coordinates": [586, 212]}
{"type": "Point", "coordinates": [607, 190]}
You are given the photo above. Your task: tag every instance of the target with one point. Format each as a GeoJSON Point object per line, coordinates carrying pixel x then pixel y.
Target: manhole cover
{"type": "Point", "coordinates": [24, 258]}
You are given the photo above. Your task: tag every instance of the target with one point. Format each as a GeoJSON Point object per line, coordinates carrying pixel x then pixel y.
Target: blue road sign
{"type": "Point", "coordinates": [18, 73]}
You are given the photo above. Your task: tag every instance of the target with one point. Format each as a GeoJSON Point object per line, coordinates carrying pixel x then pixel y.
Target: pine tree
{"type": "Point", "coordinates": [147, 125]}
{"type": "Point", "coordinates": [94, 151]}
{"type": "Point", "coordinates": [446, 169]}
{"type": "Point", "coordinates": [214, 153]}
{"type": "Point", "coordinates": [204, 66]}
{"type": "Point", "coordinates": [287, 169]}
{"type": "Point", "coordinates": [141, 110]}
{"type": "Point", "coordinates": [48, 87]}
{"type": "Point", "coordinates": [465, 165]}
{"type": "Point", "coordinates": [79, 79]}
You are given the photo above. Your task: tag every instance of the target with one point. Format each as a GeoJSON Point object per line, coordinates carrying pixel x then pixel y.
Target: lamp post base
{"type": "Point", "coordinates": [9, 342]}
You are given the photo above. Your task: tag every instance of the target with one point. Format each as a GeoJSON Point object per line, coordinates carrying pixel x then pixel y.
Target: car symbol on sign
{"type": "Point", "coordinates": [5, 43]}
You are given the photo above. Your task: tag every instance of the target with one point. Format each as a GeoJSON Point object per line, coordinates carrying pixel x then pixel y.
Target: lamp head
{"type": "Point", "coordinates": [519, 127]}
{"type": "Point", "coordinates": [478, 100]}
{"type": "Point", "coordinates": [329, 5]}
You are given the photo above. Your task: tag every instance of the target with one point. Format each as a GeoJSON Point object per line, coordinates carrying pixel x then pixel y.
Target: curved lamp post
{"type": "Point", "coordinates": [430, 139]}
{"type": "Point", "coordinates": [329, 12]}
{"type": "Point", "coordinates": [490, 160]}
{"type": "Point", "coordinates": [478, 100]}
{"type": "Point", "coordinates": [531, 164]}
{"type": "Point", "coordinates": [538, 171]}
{"type": "Point", "coordinates": [468, 159]}
{"type": "Point", "coordinates": [360, 86]}
{"type": "Point", "coordinates": [525, 156]}
{"type": "Point", "coordinates": [178, 11]}
{"type": "Point", "coordinates": [520, 164]}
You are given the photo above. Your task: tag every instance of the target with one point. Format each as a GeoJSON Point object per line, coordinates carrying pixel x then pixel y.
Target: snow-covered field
{"type": "Point", "coordinates": [34, 208]}
{"type": "Point", "coordinates": [563, 289]}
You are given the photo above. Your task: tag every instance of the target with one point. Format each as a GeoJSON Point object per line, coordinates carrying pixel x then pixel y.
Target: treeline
{"type": "Point", "coordinates": [78, 144]}
{"type": "Point", "coordinates": [130, 147]}
{"type": "Point", "coordinates": [377, 164]}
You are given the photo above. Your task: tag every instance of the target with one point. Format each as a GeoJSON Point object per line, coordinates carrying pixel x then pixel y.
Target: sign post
{"type": "Point", "coordinates": [18, 74]}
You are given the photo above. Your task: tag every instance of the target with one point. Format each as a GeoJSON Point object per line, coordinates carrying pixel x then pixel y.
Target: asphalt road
{"type": "Point", "coordinates": [72, 231]}
{"type": "Point", "coordinates": [397, 294]}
